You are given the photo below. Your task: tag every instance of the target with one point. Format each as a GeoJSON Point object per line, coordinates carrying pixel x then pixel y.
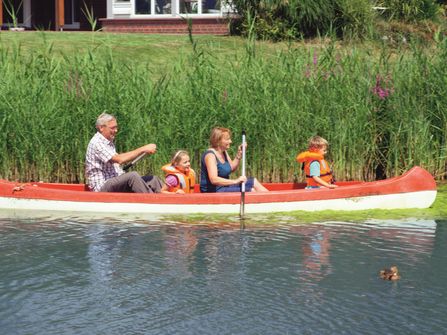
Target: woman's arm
{"type": "Point", "coordinates": [211, 166]}
{"type": "Point", "coordinates": [234, 163]}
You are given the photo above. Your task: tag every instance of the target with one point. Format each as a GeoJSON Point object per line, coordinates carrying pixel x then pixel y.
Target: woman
{"type": "Point", "coordinates": [217, 166]}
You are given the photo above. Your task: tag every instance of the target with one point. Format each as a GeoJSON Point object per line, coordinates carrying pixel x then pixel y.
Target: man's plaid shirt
{"type": "Point", "coordinates": [98, 167]}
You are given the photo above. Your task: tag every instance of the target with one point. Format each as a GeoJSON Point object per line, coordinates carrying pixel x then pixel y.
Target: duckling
{"type": "Point", "coordinates": [390, 274]}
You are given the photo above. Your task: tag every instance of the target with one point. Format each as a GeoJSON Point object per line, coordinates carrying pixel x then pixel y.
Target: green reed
{"type": "Point", "coordinates": [380, 111]}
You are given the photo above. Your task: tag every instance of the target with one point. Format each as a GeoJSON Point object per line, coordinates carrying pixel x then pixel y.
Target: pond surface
{"type": "Point", "coordinates": [72, 276]}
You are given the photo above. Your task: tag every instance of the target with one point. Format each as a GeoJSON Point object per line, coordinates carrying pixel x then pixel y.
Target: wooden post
{"type": "Point", "coordinates": [1, 13]}
{"type": "Point", "coordinates": [59, 15]}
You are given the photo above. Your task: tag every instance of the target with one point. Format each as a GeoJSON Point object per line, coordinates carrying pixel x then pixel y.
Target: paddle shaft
{"type": "Point", "coordinates": [129, 165]}
{"type": "Point", "coordinates": [242, 209]}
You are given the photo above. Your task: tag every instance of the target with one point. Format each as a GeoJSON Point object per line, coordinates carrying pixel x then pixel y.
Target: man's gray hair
{"type": "Point", "coordinates": [103, 119]}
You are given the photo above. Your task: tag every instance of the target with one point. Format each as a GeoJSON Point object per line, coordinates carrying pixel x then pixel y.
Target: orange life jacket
{"type": "Point", "coordinates": [186, 182]}
{"type": "Point", "coordinates": [307, 157]}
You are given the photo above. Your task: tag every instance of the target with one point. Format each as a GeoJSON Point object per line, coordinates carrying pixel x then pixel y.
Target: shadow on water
{"type": "Point", "coordinates": [104, 276]}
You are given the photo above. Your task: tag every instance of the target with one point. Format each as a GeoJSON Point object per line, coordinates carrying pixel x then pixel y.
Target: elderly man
{"type": "Point", "coordinates": [102, 162]}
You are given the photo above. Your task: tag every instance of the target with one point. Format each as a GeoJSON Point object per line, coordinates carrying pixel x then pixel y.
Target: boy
{"type": "Point", "coordinates": [318, 171]}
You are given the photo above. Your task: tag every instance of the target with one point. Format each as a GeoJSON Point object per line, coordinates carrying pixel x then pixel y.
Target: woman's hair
{"type": "Point", "coordinates": [317, 142]}
{"type": "Point", "coordinates": [177, 157]}
{"type": "Point", "coordinates": [217, 134]}
{"type": "Point", "coordinates": [103, 119]}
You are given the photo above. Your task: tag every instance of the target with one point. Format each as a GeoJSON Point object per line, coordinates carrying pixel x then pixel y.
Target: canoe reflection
{"type": "Point", "coordinates": [184, 250]}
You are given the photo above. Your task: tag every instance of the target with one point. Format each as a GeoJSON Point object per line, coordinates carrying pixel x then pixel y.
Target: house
{"type": "Point", "coordinates": [145, 16]}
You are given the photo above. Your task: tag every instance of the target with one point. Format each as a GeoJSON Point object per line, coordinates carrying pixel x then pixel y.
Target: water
{"type": "Point", "coordinates": [69, 276]}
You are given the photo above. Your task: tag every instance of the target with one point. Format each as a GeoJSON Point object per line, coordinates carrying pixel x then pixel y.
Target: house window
{"type": "Point", "coordinates": [211, 7]}
{"type": "Point", "coordinates": [176, 7]}
{"type": "Point", "coordinates": [142, 7]}
{"type": "Point", "coordinates": [163, 7]}
{"type": "Point", "coordinates": [189, 6]}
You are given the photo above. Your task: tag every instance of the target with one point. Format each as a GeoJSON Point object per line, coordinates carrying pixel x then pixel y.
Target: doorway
{"type": "Point", "coordinates": [72, 10]}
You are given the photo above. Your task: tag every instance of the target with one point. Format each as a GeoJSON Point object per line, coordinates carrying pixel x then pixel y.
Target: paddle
{"type": "Point", "coordinates": [242, 208]}
{"type": "Point", "coordinates": [129, 165]}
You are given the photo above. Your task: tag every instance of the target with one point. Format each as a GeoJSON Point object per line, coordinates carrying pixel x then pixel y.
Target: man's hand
{"type": "Point", "coordinates": [150, 148]}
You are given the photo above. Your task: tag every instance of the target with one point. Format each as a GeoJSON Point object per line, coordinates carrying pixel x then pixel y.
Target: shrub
{"type": "Point", "coordinates": [411, 10]}
{"type": "Point", "coordinates": [354, 19]}
{"type": "Point", "coordinates": [285, 19]}
{"type": "Point", "coordinates": [280, 19]}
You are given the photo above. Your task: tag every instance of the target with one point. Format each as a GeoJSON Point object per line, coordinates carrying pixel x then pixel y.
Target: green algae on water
{"type": "Point", "coordinates": [437, 211]}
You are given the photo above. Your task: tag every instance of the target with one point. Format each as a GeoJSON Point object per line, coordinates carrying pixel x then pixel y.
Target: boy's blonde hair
{"type": "Point", "coordinates": [217, 134]}
{"type": "Point", "coordinates": [317, 142]}
{"type": "Point", "coordinates": [178, 157]}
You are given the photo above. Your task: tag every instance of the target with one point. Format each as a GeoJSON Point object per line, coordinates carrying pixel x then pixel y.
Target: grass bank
{"type": "Point", "coordinates": [381, 108]}
{"type": "Point", "coordinates": [438, 211]}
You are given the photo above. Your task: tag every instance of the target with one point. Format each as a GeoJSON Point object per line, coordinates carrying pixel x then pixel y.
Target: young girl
{"type": "Point", "coordinates": [179, 177]}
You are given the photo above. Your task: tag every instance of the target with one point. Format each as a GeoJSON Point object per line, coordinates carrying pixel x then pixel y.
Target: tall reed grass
{"type": "Point", "coordinates": [382, 113]}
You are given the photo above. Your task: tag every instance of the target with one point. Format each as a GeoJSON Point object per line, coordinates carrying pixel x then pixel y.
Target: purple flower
{"type": "Point", "coordinates": [308, 72]}
{"type": "Point", "coordinates": [382, 88]}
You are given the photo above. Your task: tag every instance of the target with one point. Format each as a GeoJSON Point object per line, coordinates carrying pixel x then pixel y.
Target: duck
{"type": "Point", "coordinates": [390, 274]}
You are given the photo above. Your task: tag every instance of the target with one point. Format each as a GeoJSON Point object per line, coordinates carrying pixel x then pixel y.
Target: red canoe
{"type": "Point", "coordinates": [414, 189]}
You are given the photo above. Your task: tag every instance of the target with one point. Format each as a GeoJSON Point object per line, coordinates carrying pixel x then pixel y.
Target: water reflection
{"type": "Point", "coordinates": [416, 239]}
{"type": "Point", "coordinates": [108, 277]}
{"type": "Point", "coordinates": [315, 251]}
{"type": "Point", "coordinates": [180, 243]}
{"type": "Point", "coordinates": [100, 254]}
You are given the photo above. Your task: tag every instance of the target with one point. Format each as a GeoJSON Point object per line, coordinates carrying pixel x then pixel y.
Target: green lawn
{"type": "Point", "coordinates": [158, 51]}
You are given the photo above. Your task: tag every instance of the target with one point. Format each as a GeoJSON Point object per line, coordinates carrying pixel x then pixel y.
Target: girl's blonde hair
{"type": "Point", "coordinates": [317, 142]}
{"type": "Point", "coordinates": [177, 157]}
{"type": "Point", "coordinates": [217, 134]}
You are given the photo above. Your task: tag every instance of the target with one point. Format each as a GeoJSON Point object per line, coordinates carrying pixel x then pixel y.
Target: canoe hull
{"type": "Point", "coordinates": [422, 199]}
{"type": "Point", "coordinates": [414, 189]}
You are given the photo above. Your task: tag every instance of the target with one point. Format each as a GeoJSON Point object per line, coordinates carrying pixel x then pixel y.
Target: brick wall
{"type": "Point", "coordinates": [212, 26]}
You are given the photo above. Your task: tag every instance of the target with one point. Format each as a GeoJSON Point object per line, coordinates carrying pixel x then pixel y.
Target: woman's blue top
{"type": "Point", "coordinates": [223, 171]}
